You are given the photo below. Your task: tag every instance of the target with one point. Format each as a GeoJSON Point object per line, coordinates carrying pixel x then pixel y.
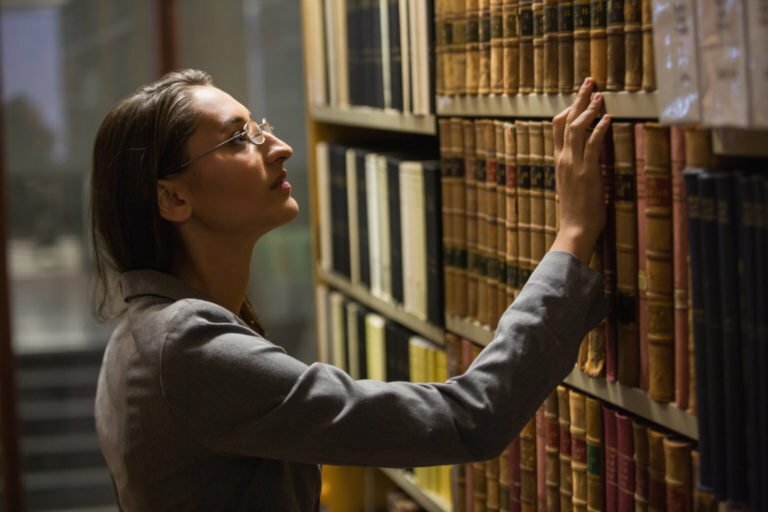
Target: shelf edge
{"type": "Point", "coordinates": [363, 117]}
{"type": "Point", "coordinates": [426, 499]}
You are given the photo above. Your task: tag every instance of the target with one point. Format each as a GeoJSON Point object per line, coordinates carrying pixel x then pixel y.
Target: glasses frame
{"type": "Point", "coordinates": [256, 139]}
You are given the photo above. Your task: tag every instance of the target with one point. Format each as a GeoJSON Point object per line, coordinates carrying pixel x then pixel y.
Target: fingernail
{"type": "Point", "coordinates": [587, 81]}
{"type": "Point", "coordinates": [598, 97]}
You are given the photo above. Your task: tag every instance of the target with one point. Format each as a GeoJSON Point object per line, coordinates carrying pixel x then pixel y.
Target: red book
{"type": "Point", "coordinates": [609, 256]}
{"type": "Point", "coordinates": [541, 459]}
{"type": "Point", "coordinates": [611, 460]}
{"type": "Point", "coordinates": [625, 448]}
{"type": "Point", "coordinates": [680, 265]}
{"type": "Point", "coordinates": [514, 475]}
{"type": "Point", "coordinates": [642, 313]}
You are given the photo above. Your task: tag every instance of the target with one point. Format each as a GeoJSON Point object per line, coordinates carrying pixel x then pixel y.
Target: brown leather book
{"type": "Point", "coordinates": [541, 459]}
{"type": "Point", "coordinates": [504, 480]}
{"type": "Point", "coordinates": [523, 203]}
{"type": "Point", "coordinates": [497, 47]}
{"type": "Point", "coordinates": [492, 485]}
{"type": "Point", "coordinates": [608, 170]}
{"type": "Point", "coordinates": [677, 461]}
{"type": "Point", "coordinates": [458, 47]}
{"type": "Point", "coordinates": [625, 463]}
{"type": "Point", "coordinates": [564, 46]}
{"type": "Point", "coordinates": [640, 439]}
{"type": "Point", "coordinates": [528, 466]}
{"type": "Point", "coordinates": [703, 501]}
{"type": "Point", "coordinates": [481, 155]}
{"type": "Point", "coordinates": [659, 270]}
{"type": "Point", "coordinates": [626, 253]}
{"type": "Point", "coordinates": [513, 247]}
{"type": "Point", "coordinates": [551, 46]}
{"type": "Point", "coordinates": [470, 187]}
{"type": "Point", "coordinates": [514, 475]}
{"type": "Point", "coordinates": [472, 43]}
{"type": "Point", "coordinates": [598, 49]}
{"type": "Point", "coordinates": [525, 29]}
{"type": "Point", "coordinates": [578, 450]}
{"type": "Point", "coordinates": [566, 473]}
{"type": "Point", "coordinates": [680, 266]}
{"type": "Point", "coordinates": [511, 46]}
{"type": "Point", "coordinates": [615, 41]}
{"type": "Point", "coordinates": [500, 222]}
{"type": "Point", "coordinates": [484, 38]}
{"type": "Point", "coordinates": [448, 213]}
{"type": "Point", "coordinates": [479, 486]}
{"type": "Point", "coordinates": [657, 493]}
{"type": "Point", "coordinates": [538, 46]}
{"type": "Point", "coordinates": [459, 203]}
{"type": "Point", "coordinates": [536, 134]}
{"type": "Point", "coordinates": [551, 420]}
{"type": "Point", "coordinates": [581, 24]}
{"type": "Point", "coordinates": [642, 309]}
{"type": "Point", "coordinates": [594, 365]}
{"type": "Point", "coordinates": [550, 206]}
{"type": "Point", "coordinates": [649, 65]}
{"type": "Point", "coordinates": [633, 45]}
{"type": "Point", "coordinates": [491, 243]}
{"type": "Point", "coordinates": [441, 46]}
{"type": "Point", "coordinates": [595, 473]}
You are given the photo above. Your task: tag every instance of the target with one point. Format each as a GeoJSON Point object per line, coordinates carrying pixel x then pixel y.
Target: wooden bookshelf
{"type": "Point", "coordinates": [740, 142]}
{"type": "Point", "coordinates": [620, 105]}
{"type": "Point", "coordinates": [430, 501]}
{"type": "Point", "coordinates": [431, 332]}
{"type": "Point", "coordinates": [363, 117]}
{"type": "Point", "coordinates": [632, 400]}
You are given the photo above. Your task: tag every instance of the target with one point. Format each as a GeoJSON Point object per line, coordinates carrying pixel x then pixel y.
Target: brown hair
{"type": "Point", "coordinates": [140, 141]}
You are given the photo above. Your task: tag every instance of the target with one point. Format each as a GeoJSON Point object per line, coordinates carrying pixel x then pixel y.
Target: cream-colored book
{"type": "Point", "coordinates": [374, 250]}
{"type": "Point", "coordinates": [315, 46]}
{"type": "Point", "coordinates": [375, 347]}
{"type": "Point", "coordinates": [385, 246]}
{"type": "Point", "coordinates": [406, 233]}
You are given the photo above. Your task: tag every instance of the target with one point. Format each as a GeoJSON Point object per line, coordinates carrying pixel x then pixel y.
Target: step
{"type": "Point", "coordinates": [73, 489]}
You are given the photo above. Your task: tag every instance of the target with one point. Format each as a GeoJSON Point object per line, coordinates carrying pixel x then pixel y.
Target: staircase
{"type": "Point", "coordinates": [63, 469]}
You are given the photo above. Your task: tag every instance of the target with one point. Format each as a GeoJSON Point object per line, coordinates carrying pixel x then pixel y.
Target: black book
{"type": "Point", "coordinates": [761, 194]}
{"type": "Point", "coordinates": [397, 354]}
{"type": "Point", "coordinates": [376, 70]}
{"type": "Point", "coordinates": [362, 351]}
{"type": "Point", "coordinates": [354, 51]}
{"type": "Point", "coordinates": [339, 209]}
{"type": "Point", "coordinates": [433, 224]}
{"type": "Point", "coordinates": [395, 232]}
{"type": "Point", "coordinates": [362, 216]}
{"type": "Point", "coordinates": [395, 55]}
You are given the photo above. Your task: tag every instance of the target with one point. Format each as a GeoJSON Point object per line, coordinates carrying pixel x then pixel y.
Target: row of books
{"type": "Point", "coordinates": [371, 53]}
{"type": "Point", "coordinates": [542, 46]}
{"type": "Point", "coordinates": [380, 226]}
{"type": "Point", "coordinates": [578, 453]}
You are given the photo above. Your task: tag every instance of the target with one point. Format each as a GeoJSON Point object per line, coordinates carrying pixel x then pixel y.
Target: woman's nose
{"type": "Point", "coordinates": [277, 149]}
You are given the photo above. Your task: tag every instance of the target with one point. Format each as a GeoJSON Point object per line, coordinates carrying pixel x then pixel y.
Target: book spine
{"type": "Point", "coordinates": [441, 46]}
{"type": "Point", "coordinates": [340, 211]}
{"type": "Point", "coordinates": [448, 211]}
{"type": "Point", "coordinates": [615, 46]}
{"type": "Point", "coordinates": [626, 254]}
{"type": "Point", "coordinates": [501, 225]}
{"type": "Point", "coordinates": [385, 256]}
{"type": "Point", "coordinates": [625, 464]}
{"type": "Point", "coordinates": [594, 365]}
{"type": "Point", "coordinates": [435, 291]}
{"type": "Point", "coordinates": [523, 203]}
{"type": "Point", "coordinates": [597, 42]}
{"type": "Point", "coordinates": [541, 458]}
{"type": "Point", "coordinates": [761, 256]}
{"type": "Point", "coordinates": [633, 45]}
{"type": "Point", "coordinates": [528, 467]}
{"type": "Point", "coordinates": [677, 461]}
{"type": "Point", "coordinates": [470, 187]}
{"type": "Point", "coordinates": [515, 475]}
{"type": "Point", "coordinates": [703, 500]}
{"type": "Point", "coordinates": [565, 46]}
{"type": "Point", "coordinates": [491, 235]}
{"type": "Point", "coordinates": [354, 217]}
{"type": "Point", "coordinates": [550, 205]}
{"type": "Point", "coordinates": [595, 473]}
{"type": "Point", "coordinates": [657, 493]}
{"type": "Point", "coordinates": [536, 134]}
{"type": "Point", "coordinates": [581, 43]}
{"type": "Point", "coordinates": [551, 419]}
{"type": "Point", "coordinates": [538, 46]}
{"type": "Point", "coordinates": [680, 267]}
{"type": "Point", "coordinates": [649, 64]}
{"type": "Point", "coordinates": [362, 213]}
{"type": "Point", "coordinates": [472, 38]}
{"type": "Point", "coordinates": [504, 481]}
{"type": "Point", "coordinates": [459, 45]}
{"type": "Point", "coordinates": [511, 221]}
{"type": "Point", "coordinates": [640, 439]}
{"type": "Point", "coordinates": [511, 46]}
{"type": "Point", "coordinates": [497, 47]}
{"type": "Point", "coordinates": [578, 450]}
{"type": "Point", "coordinates": [484, 37]}
{"type": "Point", "coordinates": [396, 242]}
{"type": "Point", "coordinates": [642, 285]}
{"type": "Point", "coordinates": [611, 460]}
{"type": "Point", "coordinates": [482, 220]}
{"type": "Point", "coordinates": [551, 46]}
{"type": "Point", "coordinates": [492, 485]}
{"type": "Point", "coordinates": [525, 31]}
{"type": "Point", "coordinates": [564, 424]}
{"type": "Point", "coordinates": [459, 201]}
{"type": "Point", "coordinates": [608, 170]}
{"type": "Point", "coordinates": [396, 56]}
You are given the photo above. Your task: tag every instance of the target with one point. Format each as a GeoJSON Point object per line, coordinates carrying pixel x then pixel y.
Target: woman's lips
{"type": "Point", "coordinates": [280, 182]}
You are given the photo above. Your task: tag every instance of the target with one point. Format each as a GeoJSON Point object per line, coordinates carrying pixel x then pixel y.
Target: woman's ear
{"type": "Point", "coordinates": [171, 201]}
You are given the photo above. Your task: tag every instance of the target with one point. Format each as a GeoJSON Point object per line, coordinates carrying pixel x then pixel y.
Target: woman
{"type": "Point", "coordinates": [195, 410]}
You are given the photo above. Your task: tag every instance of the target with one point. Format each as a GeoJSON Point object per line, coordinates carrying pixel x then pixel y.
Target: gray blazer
{"type": "Point", "coordinates": [195, 411]}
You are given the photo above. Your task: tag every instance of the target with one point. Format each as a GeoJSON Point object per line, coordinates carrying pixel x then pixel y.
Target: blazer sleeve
{"type": "Point", "coordinates": [239, 394]}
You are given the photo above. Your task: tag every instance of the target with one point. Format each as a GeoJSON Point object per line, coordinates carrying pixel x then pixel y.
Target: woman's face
{"type": "Point", "coordinates": [239, 188]}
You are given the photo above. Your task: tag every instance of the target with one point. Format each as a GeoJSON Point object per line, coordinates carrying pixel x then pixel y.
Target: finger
{"type": "Point", "coordinates": [558, 130]}
{"type": "Point", "coordinates": [579, 104]}
{"type": "Point", "coordinates": [595, 141]}
{"type": "Point", "coordinates": [578, 128]}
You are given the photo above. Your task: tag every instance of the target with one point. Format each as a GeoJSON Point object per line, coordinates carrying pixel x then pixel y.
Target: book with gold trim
{"type": "Point", "coordinates": [633, 45]}
{"type": "Point", "coordinates": [595, 471]}
{"type": "Point", "coordinates": [551, 46]}
{"type": "Point", "coordinates": [525, 30]}
{"type": "Point", "coordinates": [680, 266]}
{"type": "Point", "coordinates": [528, 489]}
{"type": "Point", "coordinates": [497, 47]}
{"type": "Point", "coordinates": [565, 46]}
{"type": "Point", "coordinates": [598, 50]}
{"type": "Point", "coordinates": [677, 463]}
{"type": "Point", "coordinates": [472, 45]}
{"type": "Point", "coordinates": [578, 450]}
{"type": "Point", "coordinates": [642, 285]}
{"type": "Point", "coordinates": [536, 159]}
{"type": "Point", "coordinates": [501, 224]}
{"type": "Point", "coordinates": [538, 46]}
{"type": "Point", "coordinates": [552, 438]}
{"type": "Point", "coordinates": [657, 489]}
{"type": "Point", "coordinates": [550, 205]}
{"type": "Point", "coordinates": [564, 424]}
{"type": "Point", "coordinates": [640, 440]}
{"type": "Point", "coordinates": [511, 46]}
{"type": "Point", "coordinates": [511, 220]}
{"type": "Point", "coordinates": [470, 205]}
{"type": "Point", "coordinates": [581, 24]}
{"type": "Point", "coordinates": [484, 38]}
{"type": "Point", "coordinates": [615, 45]}
{"type": "Point", "coordinates": [649, 62]}
{"type": "Point", "coordinates": [525, 264]}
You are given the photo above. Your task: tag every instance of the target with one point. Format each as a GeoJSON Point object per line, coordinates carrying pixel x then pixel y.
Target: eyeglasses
{"type": "Point", "coordinates": [252, 132]}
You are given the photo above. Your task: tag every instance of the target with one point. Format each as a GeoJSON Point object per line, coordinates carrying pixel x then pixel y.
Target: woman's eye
{"type": "Point", "coordinates": [239, 138]}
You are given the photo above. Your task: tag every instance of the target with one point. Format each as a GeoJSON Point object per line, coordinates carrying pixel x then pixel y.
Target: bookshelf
{"type": "Point", "coordinates": [428, 500]}
{"type": "Point", "coordinates": [362, 117]}
{"type": "Point", "coordinates": [740, 142]}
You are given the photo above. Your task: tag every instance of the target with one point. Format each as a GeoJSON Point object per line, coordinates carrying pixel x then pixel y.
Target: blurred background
{"type": "Point", "coordinates": [65, 63]}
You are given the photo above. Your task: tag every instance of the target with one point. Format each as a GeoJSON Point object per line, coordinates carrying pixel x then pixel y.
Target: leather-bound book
{"type": "Point", "coordinates": [447, 213]}
{"type": "Point", "coordinates": [633, 45]}
{"type": "Point", "coordinates": [497, 47]}
{"type": "Point", "coordinates": [471, 189]}
{"type": "Point", "coordinates": [565, 46]}
{"type": "Point", "coordinates": [459, 202]}
{"type": "Point", "coordinates": [541, 459]}
{"type": "Point", "coordinates": [511, 46]}
{"type": "Point", "coordinates": [484, 38]}
{"type": "Point", "coordinates": [626, 254]}
{"type": "Point", "coordinates": [625, 463]}
{"type": "Point", "coordinates": [677, 461]}
{"type": "Point", "coordinates": [551, 419]}
{"type": "Point", "coordinates": [504, 480]}
{"type": "Point", "coordinates": [528, 495]}
{"type": "Point", "coordinates": [550, 205]}
{"type": "Point", "coordinates": [615, 46]}
{"type": "Point", "coordinates": [492, 485]}
{"type": "Point", "coordinates": [441, 45]}
{"type": "Point", "coordinates": [598, 48]}
{"type": "Point", "coordinates": [611, 460]}
{"type": "Point", "coordinates": [479, 486]}
{"type": "Point", "coordinates": [566, 473]}
{"type": "Point", "coordinates": [500, 221]}
{"type": "Point", "coordinates": [578, 450]}
{"type": "Point", "coordinates": [513, 247]}
{"type": "Point", "coordinates": [649, 64]}
{"type": "Point", "coordinates": [640, 438]}
{"type": "Point", "coordinates": [515, 505]}
{"type": "Point", "coordinates": [657, 492]}
{"type": "Point", "coordinates": [491, 235]}
{"type": "Point", "coordinates": [459, 46]}
{"type": "Point", "coordinates": [642, 285]}
{"type": "Point", "coordinates": [551, 45]}
{"type": "Point", "coordinates": [680, 266]}
{"type": "Point", "coordinates": [595, 473]}
{"type": "Point", "coordinates": [536, 133]}
{"type": "Point", "coordinates": [581, 26]}
{"type": "Point", "coordinates": [607, 167]}
{"type": "Point", "coordinates": [472, 43]}
{"type": "Point", "coordinates": [525, 31]}
{"type": "Point", "coordinates": [594, 366]}
{"type": "Point", "coordinates": [703, 500]}
{"type": "Point", "coordinates": [481, 168]}
{"type": "Point", "coordinates": [538, 46]}
{"type": "Point", "coordinates": [523, 203]}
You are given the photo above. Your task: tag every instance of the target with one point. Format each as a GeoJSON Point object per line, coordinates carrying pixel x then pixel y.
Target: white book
{"type": "Point", "coordinates": [338, 330]}
{"type": "Point", "coordinates": [757, 20]}
{"type": "Point", "coordinates": [315, 46]}
{"type": "Point", "coordinates": [331, 52]}
{"type": "Point", "coordinates": [353, 340]}
{"type": "Point", "coordinates": [420, 243]}
{"type": "Point", "coordinates": [407, 213]}
{"type": "Point", "coordinates": [385, 256]}
{"type": "Point", "coordinates": [374, 250]}
{"type": "Point", "coordinates": [324, 205]}
{"type": "Point", "coordinates": [353, 215]}
{"type": "Point", "coordinates": [405, 53]}
{"type": "Point", "coordinates": [375, 345]}
{"type": "Point", "coordinates": [323, 338]}
{"type": "Point", "coordinates": [386, 56]}
{"type": "Point", "coordinates": [339, 36]}
{"type": "Point", "coordinates": [723, 60]}
{"type": "Point", "coordinates": [417, 63]}
{"type": "Point", "coordinates": [676, 57]}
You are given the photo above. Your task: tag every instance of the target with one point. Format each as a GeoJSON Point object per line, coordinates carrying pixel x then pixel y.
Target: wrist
{"type": "Point", "coordinates": [575, 241]}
